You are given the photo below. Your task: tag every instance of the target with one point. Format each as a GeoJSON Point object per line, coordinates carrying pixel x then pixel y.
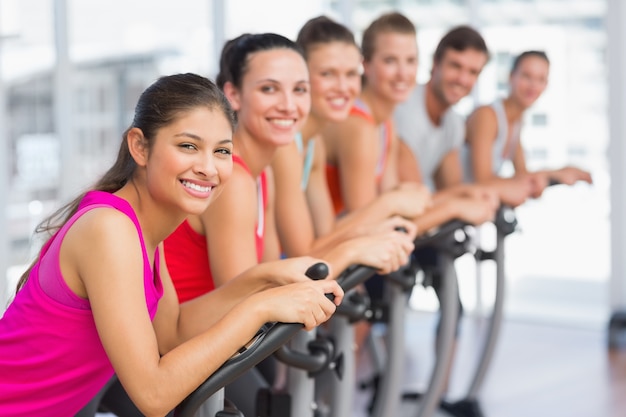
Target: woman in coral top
{"type": "Point", "coordinates": [306, 221]}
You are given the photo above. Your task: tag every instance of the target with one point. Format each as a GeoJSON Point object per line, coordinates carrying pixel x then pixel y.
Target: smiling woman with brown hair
{"type": "Point", "coordinates": [99, 300]}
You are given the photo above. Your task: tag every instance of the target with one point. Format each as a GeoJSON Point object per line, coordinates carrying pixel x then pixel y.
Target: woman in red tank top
{"type": "Point", "coordinates": [266, 80]}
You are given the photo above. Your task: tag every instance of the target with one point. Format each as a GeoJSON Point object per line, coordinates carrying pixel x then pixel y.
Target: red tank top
{"type": "Point", "coordinates": [187, 252]}
{"type": "Point", "coordinates": [332, 171]}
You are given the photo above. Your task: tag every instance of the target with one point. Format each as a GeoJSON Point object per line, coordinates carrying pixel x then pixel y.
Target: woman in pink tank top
{"type": "Point", "coordinates": [99, 300]}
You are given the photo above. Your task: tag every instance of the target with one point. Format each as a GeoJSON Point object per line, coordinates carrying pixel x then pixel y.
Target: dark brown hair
{"type": "Point", "coordinates": [393, 22]}
{"type": "Point", "coordinates": [460, 38]}
{"type": "Point", "coordinates": [526, 54]}
{"type": "Point", "coordinates": [323, 30]}
{"type": "Point", "coordinates": [236, 53]}
{"type": "Point", "coordinates": [159, 105]}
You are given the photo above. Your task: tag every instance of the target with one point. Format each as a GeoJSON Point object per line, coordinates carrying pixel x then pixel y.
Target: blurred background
{"type": "Point", "coordinates": [71, 72]}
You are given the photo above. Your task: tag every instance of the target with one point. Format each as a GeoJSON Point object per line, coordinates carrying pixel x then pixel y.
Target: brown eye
{"type": "Point", "coordinates": [189, 146]}
{"type": "Point", "coordinates": [224, 151]}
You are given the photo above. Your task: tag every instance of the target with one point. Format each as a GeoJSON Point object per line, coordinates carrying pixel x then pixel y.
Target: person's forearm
{"type": "Point", "coordinates": [435, 216]}
{"type": "Point", "coordinates": [349, 226]}
{"type": "Point", "coordinates": [442, 196]}
{"type": "Point", "coordinates": [340, 258]}
{"type": "Point", "coordinates": [458, 190]}
{"type": "Point", "coordinates": [200, 313]}
{"type": "Point", "coordinates": [182, 369]}
{"type": "Point", "coordinates": [379, 209]}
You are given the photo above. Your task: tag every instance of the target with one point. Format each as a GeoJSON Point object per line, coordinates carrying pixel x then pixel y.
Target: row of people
{"type": "Point", "coordinates": [216, 204]}
{"type": "Point", "coordinates": [366, 156]}
{"type": "Point", "coordinates": [173, 163]}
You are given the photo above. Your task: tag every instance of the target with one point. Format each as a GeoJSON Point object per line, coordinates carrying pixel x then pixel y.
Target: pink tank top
{"type": "Point", "coordinates": [52, 362]}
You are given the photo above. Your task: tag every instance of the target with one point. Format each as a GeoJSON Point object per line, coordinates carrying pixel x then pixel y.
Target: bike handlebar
{"type": "Point", "coordinates": [273, 336]}
{"type": "Point", "coordinates": [267, 341]}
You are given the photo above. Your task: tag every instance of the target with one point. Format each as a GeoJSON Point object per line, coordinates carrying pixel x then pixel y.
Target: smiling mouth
{"type": "Point", "coordinates": [196, 187]}
{"type": "Point", "coordinates": [338, 101]}
{"type": "Point", "coordinates": [283, 122]}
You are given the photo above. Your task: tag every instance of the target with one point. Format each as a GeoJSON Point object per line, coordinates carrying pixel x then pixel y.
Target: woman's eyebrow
{"type": "Point", "coordinates": [189, 135]}
{"type": "Point", "coordinates": [200, 139]}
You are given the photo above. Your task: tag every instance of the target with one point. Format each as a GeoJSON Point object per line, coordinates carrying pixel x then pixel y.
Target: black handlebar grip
{"type": "Point", "coordinates": [553, 182]}
{"type": "Point", "coordinates": [317, 271]}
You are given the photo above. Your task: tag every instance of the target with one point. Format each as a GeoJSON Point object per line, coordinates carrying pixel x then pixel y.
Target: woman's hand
{"type": "Point", "coordinates": [515, 191]}
{"type": "Point", "coordinates": [539, 181]}
{"type": "Point", "coordinates": [474, 211]}
{"type": "Point", "coordinates": [409, 199]}
{"type": "Point", "coordinates": [287, 271]}
{"type": "Point", "coordinates": [301, 302]}
{"type": "Point", "coordinates": [386, 251]}
{"type": "Point", "coordinates": [391, 224]}
{"type": "Point", "coordinates": [481, 192]}
{"type": "Point", "coordinates": [570, 175]}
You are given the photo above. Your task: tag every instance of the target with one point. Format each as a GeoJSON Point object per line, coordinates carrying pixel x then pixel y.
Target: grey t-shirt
{"type": "Point", "coordinates": [428, 142]}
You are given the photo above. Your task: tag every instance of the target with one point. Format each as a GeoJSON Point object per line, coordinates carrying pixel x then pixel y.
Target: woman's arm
{"type": "Point", "coordinates": [356, 144]}
{"type": "Point", "coordinates": [191, 318]}
{"type": "Point", "coordinates": [294, 210]}
{"type": "Point", "coordinates": [385, 251]}
{"type": "Point", "coordinates": [111, 268]}
{"type": "Point", "coordinates": [404, 201]}
{"type": "Point", "coordinates": [317, 193]}
{"type": "Point", "coordinates": [471, 210]}
{"type": "Point", "coordinates": [519, 160]}
{"type": "Point", "coordinates": [450, 171]}
{"type": "Point", "coordinates": [482, 129]}
{"type": "Point", "coordinates": [408, 165]}
{"type": "Point", "coordinates": [570, 175]}
{"type": "Point", "coordinates": [480, 135]}
{"type": "Point", "coordinates": [391, 176]}
{"type": "Point", "coordinates": [294, 224]}
{"type": "Point", "coordinates": [271, 245]}
{"type": "Point", "coordinates": [230, 225]}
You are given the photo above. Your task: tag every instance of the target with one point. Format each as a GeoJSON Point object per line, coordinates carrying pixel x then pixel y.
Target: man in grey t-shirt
{"type": "Point", "coordinates": [431, 143]}
{"type": "Point", "coordinates": [433, 133]}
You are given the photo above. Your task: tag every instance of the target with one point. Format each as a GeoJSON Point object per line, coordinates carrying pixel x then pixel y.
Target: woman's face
{"type": "Point", "coordinates": [334, 69]}
{"type": "Point", "coordinates": [274, 99]}
{"type": "Point", "coordinates": [529, 80]}
{"type": "Point", "coordinates": [190, 160]}
{"type": "Point", "coordinates": [392, 69]}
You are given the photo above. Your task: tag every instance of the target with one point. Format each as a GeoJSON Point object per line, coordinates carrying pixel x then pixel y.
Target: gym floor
{"type": "Point", "coordinates": [538, 370]}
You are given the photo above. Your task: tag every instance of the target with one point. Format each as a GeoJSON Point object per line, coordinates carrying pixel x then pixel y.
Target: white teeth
{"type": "Point", "coordinates": [196, 187]}
{"type": "Point", "coordinates": [283, 122]}
{"type": "Point", "coordinates": [338, 101]}
{"type": "Point", "coordinates": [401, 86]}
